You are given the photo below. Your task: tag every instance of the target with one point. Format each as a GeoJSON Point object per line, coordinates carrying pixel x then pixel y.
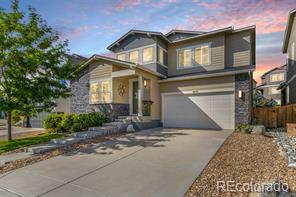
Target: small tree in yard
{"type": "Point", "coordinates": [33, 62]}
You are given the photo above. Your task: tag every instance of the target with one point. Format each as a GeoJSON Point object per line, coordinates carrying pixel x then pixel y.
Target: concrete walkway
{"type": "Point", "coordinates": [19, 132]}
{"type": "Point", "coordinates": [158, 162]}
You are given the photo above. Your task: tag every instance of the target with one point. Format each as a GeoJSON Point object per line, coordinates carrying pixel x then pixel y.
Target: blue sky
{"type": "Point", "coordinates": [91, 25]}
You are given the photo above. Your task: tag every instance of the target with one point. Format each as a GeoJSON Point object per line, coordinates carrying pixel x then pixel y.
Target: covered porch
{"type": "Point", "coordinates": [116, 88]}
{"type": "Point", "coordinates": [129, 86]}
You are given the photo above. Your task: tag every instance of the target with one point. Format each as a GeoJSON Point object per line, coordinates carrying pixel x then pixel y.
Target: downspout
{"type": "Point", "coordinates": [251, 97]}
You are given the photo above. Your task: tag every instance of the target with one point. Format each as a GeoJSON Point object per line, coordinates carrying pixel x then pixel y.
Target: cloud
{"type": "Point", "coordinates": [268, 15]}
{"type": "Point", "coordinates": [124, 4]}
{"type": "Point", "coordinates": [68, 32]}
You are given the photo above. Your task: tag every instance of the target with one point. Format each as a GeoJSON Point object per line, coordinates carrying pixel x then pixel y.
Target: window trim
{"type": "Point", "coordinates": [140, 49]}
{"type": "Point", "coordinates": [125, 56]}
{"type": "Point", "coordinates": [129, 55]}
{"type": "Point", "coordinates": [153, 54]}
{"type": "Point", "coordinates": [111, 91]}
{"type": "Point", "coordinates": [193, 64]}
{"type": "Point", "coordinates": [273, 74]}
{"type": "Point", "coordinates": [163, 56]}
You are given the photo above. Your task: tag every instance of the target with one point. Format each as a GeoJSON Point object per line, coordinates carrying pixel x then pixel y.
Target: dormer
{"type": "Point", "coordinates": [145, 48]}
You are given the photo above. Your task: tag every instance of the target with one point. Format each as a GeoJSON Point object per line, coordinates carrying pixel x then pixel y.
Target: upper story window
{"type": "Point", "coordinates": [162, 56]}
{"type": "Point", "coordinates": [194, 56]}
{"type": "Point", "coordinates": [134, 56]}
{"type": "Point", "coordinates": [277, 77]}
{"type": "Point", "coordinates": [185, 57]}
{"type": "Point", "coordinates": [273, 90]}
{"type": "Point", "coordinates": [100, 92]}
{"type": "Point", "coordinates": [147, 54]}
{"type": "Point", "coordinates": [121, 56]}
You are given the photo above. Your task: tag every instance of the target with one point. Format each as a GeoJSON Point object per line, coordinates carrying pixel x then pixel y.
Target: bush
{"type": "Point", "coordinates": [73, 122]}
{"type": "Point", "coordinates": [53, 123]}
{"type": "Point", "coordinates": [245, 128]}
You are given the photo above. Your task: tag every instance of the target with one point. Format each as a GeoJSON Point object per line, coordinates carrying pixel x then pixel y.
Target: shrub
{"type": "Point", "coordinates": [53, 122]}
{"type": "Point", "coordinates": [73, 122]}
{"type": "Point", "coordinates": [246, 128]}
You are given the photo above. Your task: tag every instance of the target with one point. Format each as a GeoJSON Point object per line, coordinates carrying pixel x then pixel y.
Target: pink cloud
{"type": "Point", "coordinates": [123, 4]}
{"type": "Point", "coordinates": [268, 15]}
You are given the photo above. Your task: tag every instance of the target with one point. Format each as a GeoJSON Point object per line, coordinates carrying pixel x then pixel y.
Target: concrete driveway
{"type": "Point", "coordinates": [157, 162]}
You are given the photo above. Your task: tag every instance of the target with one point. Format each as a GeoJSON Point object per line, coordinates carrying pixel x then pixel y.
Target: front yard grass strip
{"type": "Point", "coordinates": [6, 146]}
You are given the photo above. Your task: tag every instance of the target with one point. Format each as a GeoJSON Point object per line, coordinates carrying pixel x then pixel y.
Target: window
{"type": "Point", "coordinates": [184, 56]}
{"type": "Point", "coordinates": [134, 57]}
{"type": "Point", "coordinates": [277, 77]}
{"type": "Point", "coordinates": [100, 92]}
{"type": "Point", "coordinates": [147, 54]}
{"type": "Point", "coordinates": [200, 56]}
{"type": "Point", "coordinates": [161, 55]}
{"type": "Point", "coordinates": [273, 90]}
{"type": "Point", "coordinates": [121, 57]}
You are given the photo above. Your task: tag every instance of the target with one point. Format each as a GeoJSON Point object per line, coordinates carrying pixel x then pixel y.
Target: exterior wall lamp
{"type": "Point", "coordinates": [241, 94]}
{"type": "Point", "coordinates": [145, 82]}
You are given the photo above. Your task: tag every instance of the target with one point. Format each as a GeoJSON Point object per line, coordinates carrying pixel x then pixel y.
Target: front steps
{"type": "Point", "coordinates": [119, 126]}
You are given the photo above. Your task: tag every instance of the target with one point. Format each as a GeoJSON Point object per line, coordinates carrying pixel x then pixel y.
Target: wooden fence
{"type": "Point", "coordinates": [273, 117]}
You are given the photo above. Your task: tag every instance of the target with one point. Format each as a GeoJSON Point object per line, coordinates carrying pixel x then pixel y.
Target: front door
{"type": "Point", "coordinates": [135, 97]}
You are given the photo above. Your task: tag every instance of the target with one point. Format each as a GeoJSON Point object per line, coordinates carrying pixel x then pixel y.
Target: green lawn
{"type": "Point", "coordinates": [6, 146]}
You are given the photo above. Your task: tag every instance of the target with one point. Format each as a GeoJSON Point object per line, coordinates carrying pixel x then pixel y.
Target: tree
{"type": "Point", "coordinates": [33, 62]}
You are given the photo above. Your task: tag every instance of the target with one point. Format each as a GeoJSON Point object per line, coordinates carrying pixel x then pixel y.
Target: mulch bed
{"type": "Point", "coordinates": [243, 158]}
{"type": "Point", "coordinates": [40, 157]}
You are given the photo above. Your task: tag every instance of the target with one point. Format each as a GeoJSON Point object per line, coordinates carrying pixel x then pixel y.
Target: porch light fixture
{"type": "Point", "coordinates": [240, 94]}
{"type": "Point", "coordinates": [145, 83]}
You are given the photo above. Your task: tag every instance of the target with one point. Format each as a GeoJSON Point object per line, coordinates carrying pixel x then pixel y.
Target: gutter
{"type": "Point", "coordinates": [205, 75]}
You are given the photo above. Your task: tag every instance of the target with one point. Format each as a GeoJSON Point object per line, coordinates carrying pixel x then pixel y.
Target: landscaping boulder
{"type": "Point", "coordinates": [130, 128]}
{"type": "Point", "coordinates": [258, 129]}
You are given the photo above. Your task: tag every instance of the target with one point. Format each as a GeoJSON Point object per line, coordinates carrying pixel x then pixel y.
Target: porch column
{"type": "Point", "coordinates": [140, 95]}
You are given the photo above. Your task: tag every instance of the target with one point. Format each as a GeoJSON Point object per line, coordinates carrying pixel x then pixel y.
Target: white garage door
{"type": "Point", "coordinates": [207, 111]}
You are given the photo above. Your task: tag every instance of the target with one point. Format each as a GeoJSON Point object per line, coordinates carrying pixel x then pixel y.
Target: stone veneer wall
{"type": "Point", "coordinates": [243, 111]}
{"type": "Point", "coordinates": [80, 99]}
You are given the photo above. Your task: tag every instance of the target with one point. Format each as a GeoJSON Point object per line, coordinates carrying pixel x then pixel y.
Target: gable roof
{"type": "Point", "coordinates": [126, 64]}
{"type": "Point", "coordinates": [173, 31]}
{"type": "Point", "coordinates": [133, 31]}
{"type": "Point", "coordinates": [284, 67]}
{"type": "Point", "coordinates": [288, 30]}
{"type": "Point", "coordinates": [165, 37]}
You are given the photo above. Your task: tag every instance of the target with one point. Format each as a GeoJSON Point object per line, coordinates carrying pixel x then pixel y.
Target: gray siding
{"type": "Point", "coordinates": [216, 58]}
{"type": "Point", "coordinates": [291, 63]}
{"type": "Point", "coordinates": [238, 49]}
{"type": "Point", "coordinates": [292, 92]}
{"type": "Point", "coordinates": [134, 41]}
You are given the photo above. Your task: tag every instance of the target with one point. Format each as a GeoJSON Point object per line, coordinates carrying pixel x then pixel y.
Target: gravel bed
{"type": "Point", "coordinates": [244, 158]}
{"type": "Point", "coordinates": [40, 157]}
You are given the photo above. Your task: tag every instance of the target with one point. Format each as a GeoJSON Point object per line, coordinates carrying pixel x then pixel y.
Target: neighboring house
{"type": "Point", "coordinates": [270, 83]}
{"type": "Point", "coordinates": [193, 79]}
{"type": "Point", "coordinates": [289, 48]}
{"type": "Point", "coordinates": [63, 104]}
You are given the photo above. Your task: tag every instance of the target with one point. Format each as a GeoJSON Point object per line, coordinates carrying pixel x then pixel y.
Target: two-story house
{"type": "Point", "coordinates": [186, 79]}
{"type": "Point", "coordinates": [289, 48]}
{"type": "Point", "coordinates": [270, 83]}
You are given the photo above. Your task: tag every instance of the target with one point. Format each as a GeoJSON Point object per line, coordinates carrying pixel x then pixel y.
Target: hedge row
{"type": "Point", "coordinates": [61, 123]}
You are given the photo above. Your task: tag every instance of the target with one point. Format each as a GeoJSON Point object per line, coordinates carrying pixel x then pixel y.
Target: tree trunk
{"type": "Point", "coordinates": [9, 126]}
{"type": "Point", "coordinates": [28, 124]}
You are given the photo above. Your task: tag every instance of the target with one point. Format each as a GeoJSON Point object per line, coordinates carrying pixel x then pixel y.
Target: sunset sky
{"type": "Point", "coordinates": [91, 25]}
